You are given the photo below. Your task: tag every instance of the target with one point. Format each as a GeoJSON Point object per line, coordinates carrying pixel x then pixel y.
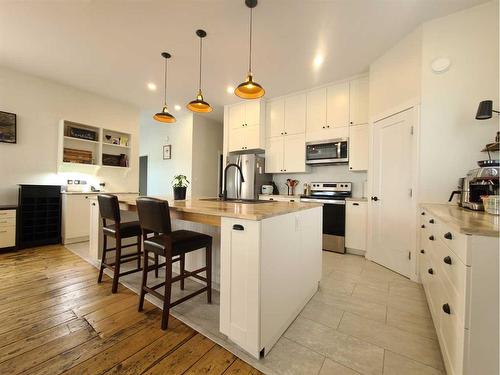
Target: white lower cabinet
{"type": "Point", "coordinates": [280, 198]}
{"type": "Point", "coordinates": [460, 275]}
{"type": "Point", "coordinates": [7, 228]}
{"type": "Point", "coordinates": [355, 225]}
{"type": "Point", "coordinates": [75, 218]}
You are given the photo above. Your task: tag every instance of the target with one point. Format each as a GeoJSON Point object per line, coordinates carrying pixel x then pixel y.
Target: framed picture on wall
{"type": "Point", "coordinates": [167, 152]}
{"type": "Point", "coordinates": [8, 132]}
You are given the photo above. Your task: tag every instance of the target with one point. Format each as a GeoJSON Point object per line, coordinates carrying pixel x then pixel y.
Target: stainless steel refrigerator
{"type": "Point", "coordinates": [253, 167]}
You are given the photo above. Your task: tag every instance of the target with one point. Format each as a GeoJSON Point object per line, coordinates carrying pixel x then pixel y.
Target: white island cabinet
{"type": "Point", "coordinates": [267, 263]}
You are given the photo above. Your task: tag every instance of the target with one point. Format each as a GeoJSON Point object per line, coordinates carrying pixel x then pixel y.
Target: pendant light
{"type": "Point", "coordinates": [164, 115]}
{"type": "Point", "coordinates": [199, 105]}
{"type": "Point", "coordinates": [250, 89]}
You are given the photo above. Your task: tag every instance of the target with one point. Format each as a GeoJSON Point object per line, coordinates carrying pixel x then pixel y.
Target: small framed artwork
{"type": "Point", "coordinates": [167, 152]}
{"type": "Point", "coordinates": [8, 133]}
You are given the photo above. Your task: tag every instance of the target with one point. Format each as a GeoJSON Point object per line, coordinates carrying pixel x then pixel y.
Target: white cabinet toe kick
{"type": "Point", "coordinates": [269, 271]}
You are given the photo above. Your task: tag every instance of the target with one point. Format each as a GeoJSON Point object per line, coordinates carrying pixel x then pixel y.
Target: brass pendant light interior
{"type": "Point", "coordinates": [199, 105]}
{"type": "Point", "coordinates": [250, 89]}
{"type": "Point", "coordinates": [164, 115]}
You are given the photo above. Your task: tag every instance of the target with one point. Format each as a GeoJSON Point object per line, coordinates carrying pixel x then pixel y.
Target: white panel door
{"type": "Point", "coordinates": [294, 153]}
{"type": "Point", "coordinates": [358, 103]}
{"type": "Point", "coordinates": [316, 113]}
{"type": "Point", "coordinates": [295, 114]}
{"type": "Point", "coordinates": [358, 147]}
{"type": "Point", "coordinates": [252, 112]}
{"type": "Point", "coordinates": [392, 209]}
{"type": "Point", "coordinates": [337, 105]}
{"type": "Point", "coordinates": [236, 115]}
{"type": "Point", "coordinates": [275, 118]}
{"type": "Point", "coordinates": [274, 155]}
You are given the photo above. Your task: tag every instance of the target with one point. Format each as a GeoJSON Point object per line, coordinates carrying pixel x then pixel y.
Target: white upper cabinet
{"type": "Point", "coordinates": [358, 147]}
{"type": "Point", "coordinates": [316, 111]}
{"type": "Point", "coordinates": [246, 125]}
{"type": "Point", "coordinates": [337, 105]}
{"type": "Point", "coordinates": [295, 114]}
{"type": "Point", "coordinates": [275, 118]}
{"type": "Point", "coordinates": [358, 108]}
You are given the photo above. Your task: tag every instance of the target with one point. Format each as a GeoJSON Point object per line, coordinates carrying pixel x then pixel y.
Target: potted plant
{"type": "Point", "coordinates": [180, 184]}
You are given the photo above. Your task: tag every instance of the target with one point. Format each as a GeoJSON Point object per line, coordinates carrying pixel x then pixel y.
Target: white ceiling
{"type": "Point", "coordinates": [112, 47]}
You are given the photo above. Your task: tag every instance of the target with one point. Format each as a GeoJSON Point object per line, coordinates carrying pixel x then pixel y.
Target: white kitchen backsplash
{"type": "Point", "coordinates": [337, 173]}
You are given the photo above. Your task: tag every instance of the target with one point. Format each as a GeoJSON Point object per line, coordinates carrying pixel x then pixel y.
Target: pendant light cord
{"type": "Point", "coordinates": [250, 57]}
{"type": "Point", "coordinates": [165, 84]}
{"type": "Point", "coordinates": [199, 82]}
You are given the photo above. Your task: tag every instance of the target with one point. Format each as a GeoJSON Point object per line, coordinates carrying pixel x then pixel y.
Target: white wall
{"type": "Point", "coordinates": [207, 146]}
{"type": "Point", "coordinates": [39, 105]}
{"type": "Point", "coordinates": [451, 138]}
{"type": "Point", "coordinates": [154, 135]}
{"type": "Point", "coordinates": [395, 76]}
{"type": "Point", "coordinates": [337, 173]}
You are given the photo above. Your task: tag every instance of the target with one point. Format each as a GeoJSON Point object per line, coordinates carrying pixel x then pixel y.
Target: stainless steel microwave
{"type": "Point", "coordinates": [333, 151]}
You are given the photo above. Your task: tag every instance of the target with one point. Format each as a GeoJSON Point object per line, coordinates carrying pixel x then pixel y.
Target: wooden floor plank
{"type": "Point", "coordinates": [241, 368]}
{"type": "Point", "coordinates": [55, 318]}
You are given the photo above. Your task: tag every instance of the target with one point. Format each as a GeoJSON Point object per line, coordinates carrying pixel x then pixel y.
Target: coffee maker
{"type": "Point", "coordinates": [479, 182]}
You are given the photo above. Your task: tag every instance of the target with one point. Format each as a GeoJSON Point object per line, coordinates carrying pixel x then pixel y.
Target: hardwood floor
{"type": "Point", "coordinates": [56, 319]}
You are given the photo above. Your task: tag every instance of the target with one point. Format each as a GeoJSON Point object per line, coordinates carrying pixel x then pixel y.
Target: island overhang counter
{"type": "Point", "coordinates": [267, 261]}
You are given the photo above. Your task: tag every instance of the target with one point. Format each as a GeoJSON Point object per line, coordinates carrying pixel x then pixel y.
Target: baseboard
{"type": "Point", "coordinates": [355, 251]}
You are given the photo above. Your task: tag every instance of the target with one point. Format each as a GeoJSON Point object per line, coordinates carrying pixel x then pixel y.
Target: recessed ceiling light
{"type": "Point", "coordinates": [151, 86]}
{"type": "Point", "coordinates": [318, 61]}
{"type": "Point", "coordinates": [177, 107]}
{"type": "Point", "coordinates": [230, 90]}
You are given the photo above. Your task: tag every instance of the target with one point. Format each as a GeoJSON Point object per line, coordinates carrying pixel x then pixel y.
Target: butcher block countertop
{"type": "Point", "coordinates": [476, 223]}
{"type": "Point", "coordinates": [218, 209]}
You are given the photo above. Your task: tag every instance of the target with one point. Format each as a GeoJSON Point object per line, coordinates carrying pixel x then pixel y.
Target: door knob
{"type": "Point", "coordinates": [374, 199]}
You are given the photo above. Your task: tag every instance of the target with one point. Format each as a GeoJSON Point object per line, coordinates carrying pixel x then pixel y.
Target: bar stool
{"type": "Point", "coordinates": [154, 216]}
{"type": "Point", "coordinates": [110, 210]}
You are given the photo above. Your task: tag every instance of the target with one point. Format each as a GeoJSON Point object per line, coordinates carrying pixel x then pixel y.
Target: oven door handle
{"type": "Point", "coordinates": [324, 201]}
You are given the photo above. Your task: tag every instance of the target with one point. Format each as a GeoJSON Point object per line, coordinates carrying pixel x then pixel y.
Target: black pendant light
{"type": "Point", "coordinates": [164, 115]}
{"type": "Point", "coordinates": [250, 89]}
{"type": "Point", "coordinates": [485, 110]}
{"type": "Point", "coordinates": [199, 105]}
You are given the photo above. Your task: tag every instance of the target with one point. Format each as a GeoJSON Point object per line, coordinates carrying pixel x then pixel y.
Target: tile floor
{"type": "Point", "coordinates": [365, 319]}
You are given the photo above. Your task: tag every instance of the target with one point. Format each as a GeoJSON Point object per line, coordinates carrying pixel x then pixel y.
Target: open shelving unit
{"type": "Point", "coordinates": [86, 148]}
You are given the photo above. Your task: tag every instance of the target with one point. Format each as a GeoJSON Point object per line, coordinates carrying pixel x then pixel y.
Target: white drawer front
{"type": "Point", "coordinates": [456, 241]}
{"type": "Point", "coordinates": [7, 236]}
{"type": "Point", "coordinates": [7, 214]}
{"type": "Point", "coordinates": [7, 221]}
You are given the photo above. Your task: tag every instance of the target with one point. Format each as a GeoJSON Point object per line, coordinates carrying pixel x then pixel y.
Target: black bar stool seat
{"type": "Point", "coordinates": [154, 216]}
{"type": "Point", "coordinates": [126, 230]}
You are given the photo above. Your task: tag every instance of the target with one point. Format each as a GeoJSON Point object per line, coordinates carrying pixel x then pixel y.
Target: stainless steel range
{"type": "Point", "coordinates": [332, 195]}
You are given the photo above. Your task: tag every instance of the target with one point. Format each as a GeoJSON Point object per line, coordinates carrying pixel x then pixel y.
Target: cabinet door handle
{"type": "Point", "coordinates": [286, 133]}
{"type": "Point", "coordinates": [446, 308]}
{"type": "Point", "coordinates": [328, 126]}
{"type": "Point", "coordinates": [423, 213]}
{"type": "Point", "coordinates": [447, 260]}
{"type": "Point", "coordinates": [93, 204]}
{"type": "Point", "coordinates": [355, 204]}
{"type": "Point", "coordinates": [292, 200]}
{"type": "Point", "coordinates": [324, 127]}
{"type": "Point", "coordinates": [238, 227]}
{"type": "Point", "coordinates": [431, 238]}
{"type": "Point", "coordinates": [271, 199]}
{"type": "Point", "coordinates": [422, 226]}
{"type": "Point", "coordinates": [374, 199]}
{"type": "Point", "coordinates": [431, 271]}
{"type": "Point", "coordinates": [431, 221]}
{"type": "Point", "coordinates": [448, 236]}
{"type": "Point", "coordinates": [422, 251]}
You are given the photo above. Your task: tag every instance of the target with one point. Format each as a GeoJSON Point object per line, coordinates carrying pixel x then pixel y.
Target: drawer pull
{"type": "Point", "coordinates": [431, 221]}
{"type": "Point", "coordinates": [355, 204]}
{"type": "Point", "coordinates": [422, 251]}
{"type": "Point", "coordinates": [446, 308]}
{"type": "Point", "coordinates": [422, 226]}
{"type": "Point", "coordinates": [423, 213]}
{"type": "Point", "coordinates": [271, 199]}
{"type": "Point", "coordinates": [431, 238]}
{"type": "Point", "coordinates": [447, 260]}
{"type": "Point", "coordinates": [448, 236]}
{"type": "Point", "coordinates": [238, 227]}
{"type": "Point", "coordinates": [292, 200]}
{"type": "Point", "coordinates": [431, 271]}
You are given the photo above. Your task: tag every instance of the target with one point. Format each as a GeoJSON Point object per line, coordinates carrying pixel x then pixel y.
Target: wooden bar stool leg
{"type": "Point", "coordinates": [156, 265]}
{"type": "Point", "coordinates": [103, 259]}
{"type": "Point", "coordinates": [139, 247]}
{"type": "Point", "coordinates": [168, 288]}
{"type": "Point", "coordinates": [182, 267]}
{"type": "Point", "coordinates": [144, 280]}
{"type": "Point", "coordinates": [118, 257]}
{"type": "Point", "coordinates": [209, 273]}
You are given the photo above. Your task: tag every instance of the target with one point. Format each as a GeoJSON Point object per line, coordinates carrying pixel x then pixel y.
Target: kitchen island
{"type": "Point", "coordinates": [267, 261]}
